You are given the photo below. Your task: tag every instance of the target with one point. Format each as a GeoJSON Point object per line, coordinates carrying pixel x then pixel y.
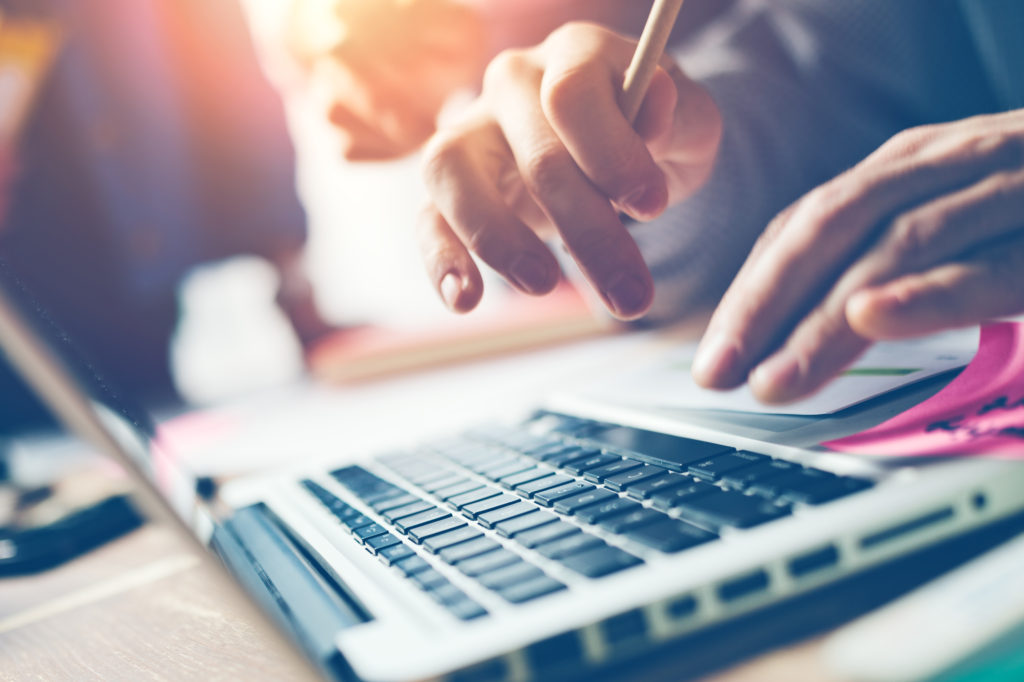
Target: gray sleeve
{"type": "Point", "coordinates": [806, 89]}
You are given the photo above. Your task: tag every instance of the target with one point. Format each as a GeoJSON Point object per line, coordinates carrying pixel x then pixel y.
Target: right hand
{"type": "Point", "coordinates": [546, 151]}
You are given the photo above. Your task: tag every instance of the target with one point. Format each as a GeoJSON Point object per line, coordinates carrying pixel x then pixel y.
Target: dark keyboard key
{"type": "Point", "coordinates": [545, 451]}
{"type": "Point", "coordinates": [411, 565]}
{"type": "Point", "coordinates": [487, 562]}
{"type": "Point", "coordinates": [570, 505]}
{"type": "Point", "coordinates": [573, 544]}
{"type": "Point", "coordinates": [451, 491]}
{"type": "Point", "coordinates": [466, 609]}
{"type": "Point", "coordinates": [379, 542]}
{"type": "Point", "coordinates": [808, 486]}
{"type": "Point", "coordinates": [446, 594]}
{"type": "Point", "coordinates": [626, 479]}
{"type": "Point", "coordinates": [512, 527]}
{"type": "Point", "coordinates": [728, 508]}
{"type": "Point", "coordinates": [427, 474]}
{"type": "Point", "coordinates": [489, 504]}
{"type": "Point", "coordinates": [660, 449]}
{"type": "Point", "coordinates": [552, 495]}
{"type": "Point", "coordinates": [466, 550]}
{"type": "Point", "coordinates": [600, 561]}
{"type": "Point", "coordinates": [406, 523]}
{"type": "Point", "coordinates": [604, 510]}
{"type": "Point", "coordinates": [390, 555]}
{"type": "Point", "coordinates": [577, 467]}
{"type": "Point", "coordinates": [436, 543]}
{"type": "Point", "coordinates": [509, 575]}
{"type": "Point", "coordinates": [496, 516]}
{"type": "Point", "coordinates": [715, 467]}
{"type": "Point", "coordinates": [394, 502]}
{"type": "Point", "coordinates": [369, 531]}
{"type": "Point", "coordinates": [634, 519]}
{"type": "Point", "coordinates": [666, 499]}
{"type": "Point", "coordinates": [646, 489]}
{"type": "Point", "coordinates": [599, 474]}
{"type": "Point", "coordinates": [421, 533]}
{"type": "Point", "coordinates": [460, 501]}
{"type": "Point", "coordinates": [531, 589]}
{"type": "Point", "coordinates": [741, 478]}
{"type": "Point", "coordinates": [356, 521]}
{"type": "Point", "coordinates": [512, 480]}
{"type": "Point", "coordinates": [429, 579]}
{"type": "Point", "coordinates": [573, 454]}
{"type": "Point", "coordinates": [407, 510]}
{"type": "Point", "coordinates": [533, 487]}
{"type": "Point", "coordinates": [545, 533]}
{"type": "Point", "coordinates": [670, 535]}
{"type": "Point", "coordinates": [513, 467]}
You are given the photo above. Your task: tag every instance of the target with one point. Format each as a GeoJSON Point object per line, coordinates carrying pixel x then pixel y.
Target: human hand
{"type": "Point", "coordinates": [925, 234]}
{"type": "Point", "coordinates": [546, 151]}
{"type": "Point", "coordinates": [386, 67]}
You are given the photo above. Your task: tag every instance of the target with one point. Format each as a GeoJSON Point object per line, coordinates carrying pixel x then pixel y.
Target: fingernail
{"type": "Point", "coordinates": [777, 378]}
{"type": "Point", "coordinates": [643, 202]}
{"type": "Point", "coordinates": [451, 287]}
{"type": "Point", "coordinates": [529, 274]}
{"type": "Point", "coordinates": [716, 362]}
{"type": "Point", "coordinates": [628, 296]}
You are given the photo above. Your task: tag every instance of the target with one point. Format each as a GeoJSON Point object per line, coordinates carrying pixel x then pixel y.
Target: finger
{"type": "Point", "coordinates": [586, 221]}
{"type": "Point", "coordinates": [459, 172]}
{"type": "Point", "coordinates": [449, 266]}
{"type": "Point", "coordinates": [817, 239]}
{"type": "Point", "coordinates": [988, 285]}
{"type": "Point", "coordinates": [580, 99]}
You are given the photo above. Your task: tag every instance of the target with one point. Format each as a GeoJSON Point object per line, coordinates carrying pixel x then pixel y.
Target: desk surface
{"type": "Point", "coordinates": [145, 608]}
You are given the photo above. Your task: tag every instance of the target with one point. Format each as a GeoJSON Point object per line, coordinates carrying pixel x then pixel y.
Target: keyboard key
{"type": "Point", "coordinates": [411, 565]}
{"type": "Point", "coordinates": [604, 510]}
{"type": "Point", "coordinates": [509, 575]}
{"type": "Point", "coordinates": [634, 519]}
{"type": "Point", "coordinates": [552, 495]}
{"type": "Point", "coordinates": [512, 480]}
{"type": "Point", "coordinates": [487, 562]}
{"type": "Point", "coordinates": [573, 454]}
{"type": "Point", "coordinates": [647, 489]}
{"type": "Point", "coordinates": [429, 579]}
{"type": "Point", "coordinates": [390, 555]}
{"type": "Point", "coordinates": [715, 467]}
{"type": "Point", "coordinates": [661, 449]}
{"type": "Point", "coordinates": [356, 521]}
{"type": "Point", "coordinates": [532, 488]}
{"type": "Point", "coordinates": [446, 594]}
{"type": "Point", "coordinates": [741, 478]}
{"type": "Point", "coordinates": [406, 523]}
{"type": "Point", "coordinates": [466, 609]}
{"type": "Point", "coordinates": [421, 533]}
{"type": "Point", "coordinates": [443, 483]}
{"type": "Point", "coordinates": [546, 533]}
{"type": "Point", "coordinates": [600, 561]}
{"type": "Point", "coordinates": [670, 535]}
{"type": "Point", "coordinates": [436, 543]}
{"type": "Point", "coordinates": [512, 527]}
{"type": "Point", "coordinates": [728, 508]}
{"type": "Point", "coordinates": [579, 466]}
{"type": "Point", "coordinates": [808, 486]}
{"type": "Point", "coordinates": [369, 531]}
{"type": "Point", "coordinates": [573, 544]}
{"type": "Point", "coordinates": [460, 501]}
{"type": "Point", "coordinates": [496, 516]}
{"type": "Point", "coordinates": [466, 550]}
{"type": "Point", "coordinates": [572, 504]}
{"type": "Point", "coordinates": [626, 479]}
{"type": "Point", "coordinates": [513, 467]}
{"type": "Point", "coordinates": [531, 589]}
{"type": "Point", "coordinates": [407, 510]}
{"type": "Point", "coordinates": [667, 499]}
{"type": "Point", "coordinates": [600, 474]}
{"type": "Point", "coordinates": [394, 502]}
{"type": "Point", "coordinates": [489, 504]}
{"type": "Point", "coordinates": [379, 542]}
{"type": "Point", "coordinates": [451, 491]}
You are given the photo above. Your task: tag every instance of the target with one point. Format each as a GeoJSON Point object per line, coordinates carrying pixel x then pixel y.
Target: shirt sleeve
{"type": "Point", "coordinates": [806, 89]}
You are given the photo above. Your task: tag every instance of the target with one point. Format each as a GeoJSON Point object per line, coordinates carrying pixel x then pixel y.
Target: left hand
{"type": "Point", "coordinates": [925, 234]}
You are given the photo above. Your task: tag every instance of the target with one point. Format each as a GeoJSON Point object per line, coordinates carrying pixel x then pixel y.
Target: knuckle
{"type": "Point", "coordinates": [911, 231]}
{"type": "Point", "coordinates": [546, 169]}
{"type": "Point", "coordinates": [562, 90]}
{"type": "Point", "coordinates": [826, 206]}
{"type": "Point", "coordinates": [508, 64]}
{"type": "Point", "coordinates": [442, 154]}
{"type": "Point", "coordinates": [573, 33]}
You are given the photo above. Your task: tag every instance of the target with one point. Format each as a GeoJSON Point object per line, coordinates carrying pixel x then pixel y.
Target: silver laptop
{"type": "Point", "coordinates": [549, 548]}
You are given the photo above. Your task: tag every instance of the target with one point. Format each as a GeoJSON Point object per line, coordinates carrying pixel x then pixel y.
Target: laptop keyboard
{"type": "Point", "coordinates": [594, 498]}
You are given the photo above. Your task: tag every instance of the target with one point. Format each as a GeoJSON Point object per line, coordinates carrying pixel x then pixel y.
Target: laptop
{"type": "Point", "coordinates": [552, 547]}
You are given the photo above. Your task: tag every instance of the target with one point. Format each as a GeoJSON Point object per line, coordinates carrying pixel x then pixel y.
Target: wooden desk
{"type": "Point", "coordinates": [145, 608]}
